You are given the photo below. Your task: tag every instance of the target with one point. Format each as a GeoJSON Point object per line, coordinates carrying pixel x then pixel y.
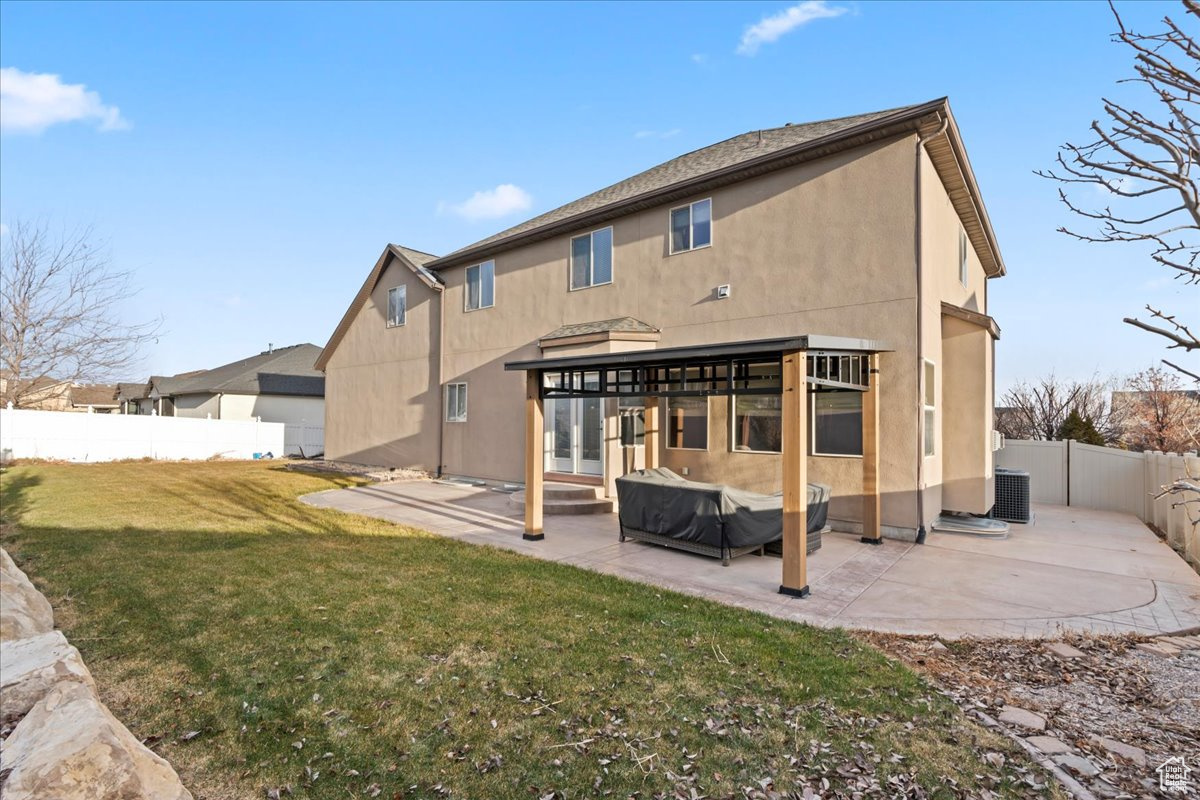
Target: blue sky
{"type": "Point", "coordinates": [250, 162]}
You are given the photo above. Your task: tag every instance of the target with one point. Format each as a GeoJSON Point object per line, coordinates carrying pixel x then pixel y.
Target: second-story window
{"type": "Point", "coordinates": [592, 259]}
{"type": "Point", "coordinates": [691, 226]}
{"type": "Point", "coordinates": [397, 305]}
{"type": "Point", "coordinates": [481, 286]}
{"type": "Point", "coordinates": [963, 249]}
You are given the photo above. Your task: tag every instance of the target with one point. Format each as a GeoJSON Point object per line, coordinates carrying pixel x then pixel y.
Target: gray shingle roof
{"type": "Point", "coordinates": [621, 324]}
{"type": "Point", "coordinates": [698, 163]}
{"type": "Point", "coordinates": [284, 370]}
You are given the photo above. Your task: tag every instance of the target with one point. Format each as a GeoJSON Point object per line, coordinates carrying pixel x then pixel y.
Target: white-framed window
{"type": "Point", "coordinates": [687, 423]}
{"type": "Point", "coordinates": [456, 402]}
{"type": "Point", "coordinates": [397, 305]}
{"type": "Point", "coordinates": [930, 405]}
{"type": "Point", "coordinates": [757, 424]}
{"type": "Point", "coordinates": [481, 286]}
{"type": "Point", "coordinates": [691, 226]}
{"type": "Point", "coordinates": [837, 424]}
{"type": "Point", "coordinates": [592, 259]}
{"type": "Point", "coordinates": [963, 250]}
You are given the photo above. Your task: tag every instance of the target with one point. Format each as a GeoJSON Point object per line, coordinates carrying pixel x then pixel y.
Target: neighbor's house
{"type": "Point", "coordinates": [277, 385]}
{"type": "Point", "coordinates": [866, 233]}
{"type": "Point", "coordinates": [50, 394]}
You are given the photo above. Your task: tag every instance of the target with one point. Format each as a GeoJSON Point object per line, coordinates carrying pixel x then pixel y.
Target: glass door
{"type": "Point", "coordinates": [575, 428]}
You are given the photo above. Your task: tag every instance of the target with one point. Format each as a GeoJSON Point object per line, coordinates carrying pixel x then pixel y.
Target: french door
{"type": "Point", "coordinates": [576, 432]}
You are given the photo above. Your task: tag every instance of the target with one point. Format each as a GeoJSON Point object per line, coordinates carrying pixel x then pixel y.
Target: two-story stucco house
{"type": "Point", "coordinates": [861, 236]}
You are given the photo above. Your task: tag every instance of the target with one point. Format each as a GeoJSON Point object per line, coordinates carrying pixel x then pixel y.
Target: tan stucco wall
{"type": "Point", "coordinates": [825, 248]}
{"type": "Point", "coordinates": [960, 395]}
{"type": "Point", "coordinates": [967, 400]}
{"type": "Point", "coordinates": [382, 396]}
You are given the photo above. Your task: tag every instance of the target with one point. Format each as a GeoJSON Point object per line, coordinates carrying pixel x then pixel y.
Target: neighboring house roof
{"type": "Point", "coordinates": [757, 152]}
{"type": "Point", "coordinates": [97, 394]}
{"type": "Point", "coordinates": [415, 260]}
{"type": "Point", "coordinates": [283, 370]}
{"type": "Point", "coordinates": [131, 391]}
{"type": "Point", "coordinates": [620, 324]}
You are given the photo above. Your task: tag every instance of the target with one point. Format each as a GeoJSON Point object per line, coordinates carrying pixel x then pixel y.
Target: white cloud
{"type": "Point", "coordinates": [658, 134]}
{"type": "Point", "coordinates": [699, 58]}
{"type": "Point", "coordinates": [771, 28]}
{"type": "Point", "coordinates": [30, 102]}
{"type": "Point", "coordinates": [505, 199]}
{"type": "Point", "coordinates": [3, 229]}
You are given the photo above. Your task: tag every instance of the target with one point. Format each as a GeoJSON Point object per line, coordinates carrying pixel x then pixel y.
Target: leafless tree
{"type": "Point", "coordinates": [1038, 410]}
{"type": "Point", "coordinates": [1159, 413]}
{"type": "Point", "coordinates": [1142, 159]}
{"type": "Point", "coordinates": [60, 303]}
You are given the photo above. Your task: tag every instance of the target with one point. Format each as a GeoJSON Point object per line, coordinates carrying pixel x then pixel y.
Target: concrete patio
{"type": "Point", "coordinates": [1073, 570]}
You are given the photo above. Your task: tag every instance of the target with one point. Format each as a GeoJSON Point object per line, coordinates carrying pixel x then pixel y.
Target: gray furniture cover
{"type": "Point", "coordinates": [699, 516]}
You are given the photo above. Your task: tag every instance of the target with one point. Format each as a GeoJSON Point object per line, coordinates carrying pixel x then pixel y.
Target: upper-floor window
{"type": "Point", "coordinates": [456, 402]}
{"type": "Point", "coordinates": [591, 259]}
{"type": "Point", "coordinates": [397, 305]}
{"type": "Point", "coordinates": [691, 226]}
{"type": "Point", "coordinates": [963, 250]}
{"type": "Point", "coordinates": [481, 286]}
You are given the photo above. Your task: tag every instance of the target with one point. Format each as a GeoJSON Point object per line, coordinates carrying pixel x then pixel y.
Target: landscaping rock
{"type": "Point", "coordinates": [69, 747]}
{"type": "Point", "coordinates": [1126, 751]}
{"type": "Point", "coordinates": [1011, 715]}
{"type": "Point", "coordinates": [24, 611]}
{"type": "Point", "coordinates": [30, 668]}
{"type": "Point", "coordinates": [1049, 745]}
{"type": "Point", "coordinates": [1077, 764]}
{"type": "Point", "coordinates": [1063, 650]}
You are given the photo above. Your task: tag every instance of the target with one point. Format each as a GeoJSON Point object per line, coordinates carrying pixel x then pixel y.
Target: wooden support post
{"type": "Point", "coordinates": [795, 474]}
{"type": "Point", "coordinates": [535, 446]}
{"type": "Point", "coordinates": [653, 439]}
{"type": "Point", "coordinates": [871, 531]}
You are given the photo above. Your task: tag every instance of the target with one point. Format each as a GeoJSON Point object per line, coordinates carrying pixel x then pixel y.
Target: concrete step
{"type": "Point", "coordinates": [557, 490]}
{"type": "Point", "coordinates": [554, 502]}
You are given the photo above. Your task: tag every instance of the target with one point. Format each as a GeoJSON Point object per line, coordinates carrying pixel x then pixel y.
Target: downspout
{"type": "Point", "coordinates": [921, 140]}
{"type": "Point", "coordinates": [441, 418]}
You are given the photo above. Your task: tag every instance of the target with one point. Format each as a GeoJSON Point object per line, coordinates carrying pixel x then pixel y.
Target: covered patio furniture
{"type": "Point", "coordinates": [658, 506]}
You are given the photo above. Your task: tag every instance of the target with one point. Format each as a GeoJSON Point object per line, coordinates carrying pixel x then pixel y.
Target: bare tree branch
{"type": "Point", "coordinates": [59, 314]}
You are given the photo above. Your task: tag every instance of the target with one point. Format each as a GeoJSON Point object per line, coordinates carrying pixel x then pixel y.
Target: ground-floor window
{"type": "Point", "coordinates": [930, 394]}
{"type": "Point", "coordinates": [456, 402]}
{"type": "Point", "coordinates": [758, 424]}
{"type": "Point", "coordinates": [687, 423]}
{"type": "Point", "coordinates": [632, 411]}
{"type": "Point", "coordinates": [837, 424]}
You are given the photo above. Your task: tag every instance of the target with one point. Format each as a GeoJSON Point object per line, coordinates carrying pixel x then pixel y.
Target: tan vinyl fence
{"type": "Point", "coordinates": [1105, 478]}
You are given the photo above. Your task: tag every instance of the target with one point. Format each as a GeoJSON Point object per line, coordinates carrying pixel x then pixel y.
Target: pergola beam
{"type": "Point", "coordinates": [795, 475]}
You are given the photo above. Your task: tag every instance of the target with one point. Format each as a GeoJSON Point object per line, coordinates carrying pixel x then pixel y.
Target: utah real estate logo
{"type": "Point", "coordinates": [1173, 774]}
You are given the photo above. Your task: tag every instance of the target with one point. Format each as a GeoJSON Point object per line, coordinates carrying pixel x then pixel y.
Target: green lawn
{"type": "Point", "coordinates": [258, 643]}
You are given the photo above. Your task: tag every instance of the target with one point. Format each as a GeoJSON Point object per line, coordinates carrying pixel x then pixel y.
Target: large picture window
{"type": "Point", "coordinates": [397, 305]}
{"type": "Point", "coordinates": [758, 424]}
{"type": "Point", "coordinates": [837, 424]}
{"type": "Point", "coordinates": [687, 423]}
{"type": "Point", "coordinates": [481, 286]}
{"type": "Point", "coordinates": [691, 226]}
{"type": "Point", "coordinates": [592, 259]}
{"type": "Point", "coordinates": [456, 402]}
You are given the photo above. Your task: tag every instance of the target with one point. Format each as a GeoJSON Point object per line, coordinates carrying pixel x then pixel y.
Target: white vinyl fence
{"type": "Point", "coordinates": [1105, 478]}
{"type": "Point", "coordinates": [72, 436]}
{"type": "Point", "coordinates": [304, 440]}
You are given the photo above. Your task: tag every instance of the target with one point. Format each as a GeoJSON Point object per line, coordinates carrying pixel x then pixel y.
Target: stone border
{"type": "Point", "coordinates": [59, 740]}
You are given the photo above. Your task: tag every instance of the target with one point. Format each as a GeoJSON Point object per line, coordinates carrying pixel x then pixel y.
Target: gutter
{"type": "Point", "coordinates": [921, 140]}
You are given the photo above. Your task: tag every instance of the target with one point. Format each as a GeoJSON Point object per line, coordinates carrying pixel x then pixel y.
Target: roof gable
{"type": "Point", "coordinates": [414, 260]}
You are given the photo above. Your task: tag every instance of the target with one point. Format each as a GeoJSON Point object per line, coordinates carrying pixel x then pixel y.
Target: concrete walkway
{"type": "Point", "coordinates": [1073, 570]}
